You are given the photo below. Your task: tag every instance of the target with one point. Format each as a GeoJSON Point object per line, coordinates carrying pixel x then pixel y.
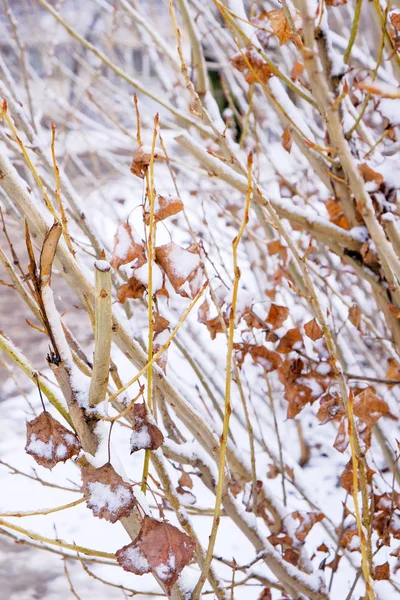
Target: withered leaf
{"type": "Point", "coordinates": [369, 407]}
{"type": "Point", "coordinates": [370, 175]}
{"type": "Point", "coordinates": [291, 338]}
{"type": "Point", "coordinates": [287, 139]}
{"type": "Point", "coordinates": [393, 370]}
{"type": "Point", "coordinates": [145, 435]}
{"type": "Point", "coordinates": [159, 548]}
{"type": "Point", "coordinates": [213, 324]}
{"type": "Point", "coordinates": [178, 264]}
{"type": "Point", "coordinates": [164, 208]}
{"type": "Point", "coordinates": [185, 480]}
{"type": "Point", "coordinates": [106, 493]}
{"type": "Point", "coordinates": [132, 289]}
{"type": "Point", "coordinates": [323, 548]}
{"type": "Point", "coordinates": [382, 572]}
{"type": "Point", "coordinates": [313, 330]}
{"type": "Point", "coordinates": [350, 539]}
{"type": "Point", "coordinates": [341, 442]}
{"type": "Point", "coordinates": [395, 20]}
{"type": "Point", "coordinates": [141, 160]}
{"type": "Point", "coordinates": [307, 521]}
{"type": "Point", "coordinates": [298, 395]}
{"type": "Point", "coordinates": [280, 25]}
{"type": "Point", "coordinates": [265, 594]}
{"type": "Point", "coordinates": [126, 248]}
{"type": "Point", "coordinates": [336, 214]}
{"type": "Point", "coordinates": [346, 479]}
{"type": "Point", "coordinates": [277, 315]}
{"type": "Point", "coordinates": [331, 409]}
{"type": "Point", "coordinates": [159, 323]}
{"type": "Point", "coordinates": [336, 2]}
{"type": "Point", "coordinates": [355, 316]}
{"type": "Point", "coordinates": [49, 442]}
{"type": "Point", "coordinates": [297, 71]}
{"type": "Point", "coordinates": [253, 66]}
{"type": "Point", "coordinates": [267, 359]}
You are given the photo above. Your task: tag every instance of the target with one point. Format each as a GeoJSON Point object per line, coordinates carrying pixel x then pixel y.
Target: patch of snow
{"type": "Point", "coordinates": [102, 496]}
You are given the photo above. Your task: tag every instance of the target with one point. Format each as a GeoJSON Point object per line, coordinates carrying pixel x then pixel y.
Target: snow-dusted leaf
{"type": "Point", "coordinates": [178, 264]}
{"type": "Point", "coordinates": [291, 340]}
{"type": "Point", "coordinates": [331, 409]}
{"type": "Point", "coordinates": [346, 479]}
{"type": "Point", "coordinates": [159, 548]}
{"type": "Point", "coordinates": [141, 160]}
{"type": "Point", "coordinates": [132, 289]}
{"type": "Point", "coordinates": [128, 247]}
{"type": "Point", "coordinates": [159, 323]}
{"type": "Point", "coordinates": [341, 441]}
{"type": "Point", "coordinates": [277, 315]}
{"type": "Point", "coordinates": [369, 175]}
{"type": "Point", "coordinates": [49, 442]}
{"type": "Point", "coordinates": [164, 208]}
{"type": "Point", "coordinates": [307, 521]}
{"type": "Point", "coordinates": [106, 493]}
{"type": "Point", "coordinates": [280, 25]}
{"type": "Point", "coordinates": [369, 407]}
{"type": "Point", "coordinates": [313, 330]}
{"type": "Point", "coordinates": [350, 539]}
{"type": "Point", "coordinates": [213, 324]}
{"type": "Point", "coordinates": [145, 435]}
{"type": "Point", "coordinates": [267, 359]}
{"type": "Point", "coordinates": [252, 65]}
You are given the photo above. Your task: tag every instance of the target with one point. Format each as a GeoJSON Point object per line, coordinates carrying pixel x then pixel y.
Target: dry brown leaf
{"type": "Point", "coordinates": [336, 214]}
{"type": "Point", "coordinates": [297, 71]}
{"type": "Point", "coordinates": [291, 338]}
{"type": "Point", "coordinates": [336, 2]}
{"type": "Point", "coordinates": [313, 330]}
{"type": "Point", "coordinates": [164, 208]}
{"type": "Point", "coordinates": [323, 548]}
{"type": "Point", "coordinates": [277, 315]}
{"type": "Point", "coordinates": [279, 25]}
{"type": "Point", "coordinates": [107, 494]}
{"type": "Point", "coordinates": [145, 435]}
{"type": "Point", "coordinates": [298, 395]}
{"type": "Point", "coordinates": [348, 540]}
{"type": "Point", "coordinates": [382, 572]}
{"type": "Point", "coordinates": [290, 370]}
{"type": "Point", "coordinates": [267, 359]}
{"type": "Point", "coordinates": [178, 264]}
{"type": "Point", "coordinates": [141, 160]}
{"type": "Point", "coordinates": [355, 316]}
{"type": "Point", "coordinates": [126, 248]}
{"type": "Point", "coordinates": [185, 480]}
{"type": "Point", "coordinates": [342, 441]}
{"type": "Point", "coordinates": [395, 20]}
{"type": "Point", "coordinates": [132, 289]}
{"type": "Point", "coordinates": [307, 521]}
{"type": "Point", "coordinates": [253, 66]}
{"type": "Point", "coordinates": [213, 324]}
{"type": "Point", "coordinates": [49, 442]}
{"type": "Point", "coordinates": [287, 139]}
{"type": "Point", "coordinates": [370, 175]}
{"type": "Point", "coordinates": [159, 323]}
{"type": "Point", "coordinates": [393, 370]}
{"type": "Point", "coordinates": [265, 594]}
{"type": "Point", "coordinates": [346, 479]}
{"type": "Point", "coordinates": [159, 548]}
{"type": "Point", "coordinates": [331, 409]}
{"type": "Point", "coordinates": [369, 407]}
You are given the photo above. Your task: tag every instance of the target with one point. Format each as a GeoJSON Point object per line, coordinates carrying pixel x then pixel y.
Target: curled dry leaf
{"type": "Point", "coordinates": [336, 214]}
{"type": "Point", "coordinates": [141, 160]}
{"type": "Point", "coordinates": [342, 441]}
{"type": "Point", "coordinates": [307, 521]}
{"type": "Point", "coordinates": [159, 323]}
{"type": "Point", "coordinates": [49, 442]}
{"type": "Point", "coordinates": [159, 548]}
{"type": "Point", "coordinates": [106, 493]}
{"type": "Point", "coordinates": [346, 479]}
{"type": "Point", "coordinates": [178, 264]}
{"type": "Point", "coordinates": [350, 539]}
{"type": "Point", "coordinates": [330, 409]}
{"type": "Point", "coordinates": [164, 208]}
{"type": "Point", "coordinates": [313, 330]}
{"type": "Point", "coordinates": [185, 480]}
{"type": "Point", "coordinates": [287, 139]}
{"type": "Point", "coordinates": [145, 435]}
{"type": "Point", "coordinates": [132, 289]}
{"type": "Point", "coordinates": [277, 315]}
{"type": "Point", "coordinates": [291, 340]}
{"type": "Point", "coordinates": [127, 248]}
{"type": "Point", "coordinates": [267, 359]}
{"type": "Point", "coordinates": [369, 175]}
{"type": "Point", "coordinates": [213, 324]}
{"type": "Point", "coordinates": [355, 316]}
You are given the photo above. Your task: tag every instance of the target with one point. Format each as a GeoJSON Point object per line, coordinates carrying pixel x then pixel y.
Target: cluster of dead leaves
{"type": "Point", "coordinates": [49, 442]}
{"type": "Point", "coordinates": [287, 543]}
{"type": "Point", "coordinates": [179, 265]}
{"type": "Point", "coordinates": [160, 548]}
